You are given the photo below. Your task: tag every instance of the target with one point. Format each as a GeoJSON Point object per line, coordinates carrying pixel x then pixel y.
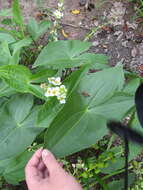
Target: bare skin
{"type": "Point", "coordinates": [43, 172]}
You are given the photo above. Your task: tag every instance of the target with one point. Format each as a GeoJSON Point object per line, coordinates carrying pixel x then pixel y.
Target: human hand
{"type": "Point", "coordinates": [43, 172]}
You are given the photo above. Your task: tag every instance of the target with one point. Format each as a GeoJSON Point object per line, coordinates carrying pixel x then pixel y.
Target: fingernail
{"type": "Point", "coordinates": [45, 153]}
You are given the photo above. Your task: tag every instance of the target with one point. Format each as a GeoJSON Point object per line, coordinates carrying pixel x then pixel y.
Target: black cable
{"type": "Point", "coordinates": [126, 162]}
{"type": "Point", "coordinates": [127, 134]}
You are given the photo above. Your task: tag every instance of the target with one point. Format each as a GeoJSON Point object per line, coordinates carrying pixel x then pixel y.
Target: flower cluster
{"type": "Point", "coordinates": [58, 14]}
{"type": "Point", "coordinates": [55, 89]}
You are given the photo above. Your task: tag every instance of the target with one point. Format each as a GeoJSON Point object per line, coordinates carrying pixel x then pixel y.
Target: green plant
{"type": "Point", "coordinates": [139, 7]}
{"type": "Point", "coordinates": [32, 116]}
{"type": "Point", "coordinates": [137, 169]}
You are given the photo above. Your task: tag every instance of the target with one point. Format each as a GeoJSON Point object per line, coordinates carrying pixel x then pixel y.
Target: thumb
{"type": "Point", "coordinates": [51, 163]}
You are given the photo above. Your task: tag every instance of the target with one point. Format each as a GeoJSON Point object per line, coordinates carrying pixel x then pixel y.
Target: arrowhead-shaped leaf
{"type": "Point", "coordinates": [20, 78]}
{"type": "Point", "coordinates": [77, 126]}
{"type": "Point", "coordinates": [14, 169]}
{"type": "Point", "coordinates": [18, 126]}
{"type": "Point", "coordinates": [36, 30]}
{"type": "Point", "coordinates": [16, 76]}
{"type": "Point", "coordinates": [51, 107]}
{"type": "Point", "coordinates": [62, 54]}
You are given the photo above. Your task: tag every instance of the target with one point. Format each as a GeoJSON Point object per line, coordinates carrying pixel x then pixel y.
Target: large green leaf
{"type": "Point", "coordinates": [36, 30]}
{"type": "Point", "coordinates": [20, 112]}
{"type": "Point", "coordinates": [51, 108]}
{"type": "Point", "coordinates": [18, 126]}
{"type": "Point", "coordinates": [17, 49]}
{"type": "Point", "coordinates": [134, 148]}
{"type": "Point", "coordinates": [5, 90]}
{"type": "Point", "coordinates": [48, 112]}
{"type": "Point", "coordinates": [132, 86]}
{"type": "Point", "coordinates": [101, 86]}
{"type": "Point", "coordinates": [20, 44]}
{"type": "Point", "coordinates": [14, 170]}
{"type": "Point", "coordinates": [117, 163]}
{"type": "Point", "coordinates": [16, 76]}
{"type": "Point", "coordinates": [77, 126]}
{"type": "Point", "coordinates": [41, 74]}
{"type": "Point", "coordinates": [96, 61]}
{"type": "Point", "coordinates": [5, 55]}
{"type": "Point", "coordinates": [114, 107]}
{"type": "Point", "coordinates": [6, 37]}
{"type": "Point", "coordinates": [36, 90]}
{"type": "Point", "coordinates": [20, 78]}
{"type": "Point", "coordinates": [62, 54]}
{"type": "Point", "coordinates": [119, 184]}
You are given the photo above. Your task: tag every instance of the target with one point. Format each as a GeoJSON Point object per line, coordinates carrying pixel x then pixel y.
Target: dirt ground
{"type": "Point", "coordinates": [117, 32]}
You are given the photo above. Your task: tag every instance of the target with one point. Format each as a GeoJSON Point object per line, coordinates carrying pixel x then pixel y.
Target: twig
{"type": "Point", "coordinates": [74, 26]}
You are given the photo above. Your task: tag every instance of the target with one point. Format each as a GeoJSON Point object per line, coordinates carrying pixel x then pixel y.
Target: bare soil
{"type": "Point", "coordinates": [118, 32]}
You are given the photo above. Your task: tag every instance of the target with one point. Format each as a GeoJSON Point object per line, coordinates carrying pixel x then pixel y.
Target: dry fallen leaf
{"type": "Point", "coordinates": [107, 28]}
{"type": "Point", "coordinates": [125, 26]}
{"type": "Point", "coordinates": [139, 20]}
{"type": "Point", "coordinates": [40, 15]}
{"type": "Point", "coordinates": [75, 11]}
{"type": "Point", "coordinates": [140, 68]}
{"type": "Point", "coordinates": [64, 34]}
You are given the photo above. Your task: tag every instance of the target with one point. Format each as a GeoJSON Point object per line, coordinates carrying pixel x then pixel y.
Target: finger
{"type": "Point", "coordinates": [41, 166]}
{"type": "Point", "coordinates": [51, 163]}
{"type": "Point", "coordinates": [46, 173]}
{"type": "Point", "coordinates": [34, 161]}
{"type": "Point", "coordinates": [31, 169]}
{"type": "Point", "coordinates": [61, 164]}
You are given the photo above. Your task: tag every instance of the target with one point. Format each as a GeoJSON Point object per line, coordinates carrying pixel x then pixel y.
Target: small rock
{"type": "Point", "coordinates": [138, 38]}
{"type": "Point", "coordinates": [129, 35]}
{"type": "Point", "coordinates": [119, 35]}
{"type": "Point", "coordinates": [95, 43]}
{"type": "Point", "coordinates": [124, 43]}
{"type": "Point", "coordinates": [132, 25]}
{"type": "Point", "coordinates": [134, 52]}
{"type": "Point", "coordinates": [117, 13]}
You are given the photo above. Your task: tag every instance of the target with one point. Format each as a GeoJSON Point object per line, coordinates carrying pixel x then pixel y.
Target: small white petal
{"type": "Point", "coordinates": [62, 101]}
{"type": "Point", "coordinates": [47, 94]}
{"type": "Point", "coordinates": [55, 81]}
{"type": "Point", "coordinates": [55, 91]}
{"type": "Point", "coordinates": [60, 4]}
{"type": "Point", "coordinates": [62, 96]}
{"type": "Point", "coordinates": [58, 14]}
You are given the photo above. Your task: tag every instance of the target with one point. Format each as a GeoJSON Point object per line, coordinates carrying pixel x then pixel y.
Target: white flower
{"type": "Point", "coordinates": [58, 90]}
{"type": "Point", "coordinates": [48, 92]}
{"type": "Point", "coordinates": [55, 91]}
{"type": "Point", "coordinates": [63, 89]}
{"type": "Point", "coordinates": [55, 38]}
{"type": "Point", "coordinates": [58, 14]}
{"type": "Point", "coordinates": [43, 85]}
{"type": "Point", "coordinates": [51, 80]}
{"type": "Point", "coordinates": [60, 5]}
{"type": "Point", "coordinates": [62, 98]}
{"type": "Point", "coordinates": [55, 80]}
{"type": "Point", "coordinates": [62, 101]}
